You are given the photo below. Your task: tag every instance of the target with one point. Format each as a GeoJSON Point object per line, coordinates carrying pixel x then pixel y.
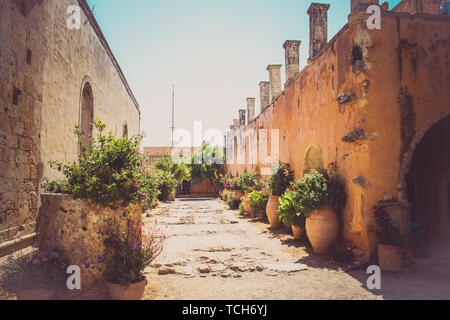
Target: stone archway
{"type": "Point", "coordinates": [425, 184]}
{"type": "Point", "coordinates": [313, 159]}
{"type": "Point", "coordinates": [86, 109]}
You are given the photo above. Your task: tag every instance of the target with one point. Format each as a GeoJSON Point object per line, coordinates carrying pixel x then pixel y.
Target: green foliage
{"type": "Point", "coordinates": [166, 184]}
{"type": "Point", "coordinates": [386, 232]}
{"type": "Point", "coordinates": [290, 211]}
{"type": "Point", "coordinates": [343, 253]}
{"type": "Point", "coordinates": [281, 177]}
{"type": "Point", "coordinates": [258, 201]}
{"type": "Point", "coordinates": [43, 271]}
{"type": "Point", "coordinates": [236, 184]}
{"type": "Point", "coordinates": [180, 171]}
{"type": "Point", "coordinates": [206, 163]}
{"type": "Point", "coordinates": [126, 257]}
{"type": "Point", "coordinates": [319, 190]}
{"type": "Point", "coordinates": [248, 181]}
{"type": "Point", "coordinates": [234, 204]}
{"type": "Point", "coordinates": [108, 171]}
{"type": "Point", "coordinates": [242, 209]}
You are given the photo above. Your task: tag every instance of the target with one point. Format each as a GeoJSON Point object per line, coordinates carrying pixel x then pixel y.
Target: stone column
{"type": "Point", "coordinates": [264, 87]}
{"type": "Point", "coordinates": [292, 64]}
{"type": "Point", "coordinates": [357, 6]}
{"type": "Point", "coordinates": [250, 109]}
{"type": "Point", "coordinates": [318, 28]}
{"type": "Point", "coordinates": [242, 117]}
{"type": "Point", "coordinates": [275, 80]}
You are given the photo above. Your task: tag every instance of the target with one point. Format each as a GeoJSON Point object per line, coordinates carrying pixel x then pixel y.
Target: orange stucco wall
{"type": "Point", "coordinates": [403, 86]}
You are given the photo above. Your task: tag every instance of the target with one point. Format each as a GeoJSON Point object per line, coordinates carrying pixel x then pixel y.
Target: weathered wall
{"type": "Point", "coordinates": [44, 65]}
{"type": "Point", "coordinates": [21, 98]}
{"type": "Point", "coordinates": [397, 79]}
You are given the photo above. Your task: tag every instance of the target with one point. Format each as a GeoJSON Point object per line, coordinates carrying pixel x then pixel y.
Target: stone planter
{"type": "Point", "coordinates": [238, 194]}
{"type": "Point", "coordinates": [390, 257]}
{"type": "Point", "coordinates": [322, 228]}
{"type": "Point", "coordinates": [299, 232]}
{"type": "Point", "coordinates": [246, 203]}
{"type": "Point", "coordinates": [133, 292]}
{"type": "Point", "coordinates": [272, 212]}
{"type": "Point", "coordinates": [74, 228]}
{"type": "Point", "coordinates": [38, 294]}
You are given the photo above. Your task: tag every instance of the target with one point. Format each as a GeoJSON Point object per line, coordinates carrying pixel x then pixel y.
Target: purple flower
{"type": "Point", "coordinates": [100, 258]}
{"type": "Point", "coordinates": [99, 231]}
{"type": "Point", "coordinates": [87, 265]}
{"type": "Point", "coordinates": [36, 261]}
{"type": "Point", "coordinates": [133, 245]}
{"type": "Point", "coordinates": [54, 255]}
{"type": "Point", "coordinates": [144, 194]}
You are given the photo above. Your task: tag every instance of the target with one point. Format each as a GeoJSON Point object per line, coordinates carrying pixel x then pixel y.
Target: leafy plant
{"type": "Point", "coordinates": [108, 171]}
{"type": "Point", "coordinates": [258, 202]}
{"type": "Point", "coordinates": [42, 271]}
{"type": "Point", "coordinates": [387, 232]}
{"type": "Point", "coordinates": [248, 181]}
{"type": "Point", "coordinates": [281, 177]}
{"type": "Point", "coordinates": [318, 191]}
{"type": "Point", "coordinates": [236, 184]}
{"type": "Point", "coordinates": [126, 256]}
{"type": "Point", "coordinates": [180, 171]}
{"type": "Point", "coordinates": [166, 184]}
{"type": "Point", "coordinates": [290, 211]}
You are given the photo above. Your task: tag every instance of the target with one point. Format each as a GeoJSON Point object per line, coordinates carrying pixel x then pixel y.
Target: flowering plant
{"type": "Point", "coordinates": [127, 255]}
{"type": "Point", "coordinates": [386, 232]}
{"type": "Point", "coordinates": [108, 171]}
{"type": "Point", "coordinates": [43, 271]}
{"type": "Point", "coordinates": [258, 202]}
{"type": "Point", "coordinates": [282, 176]}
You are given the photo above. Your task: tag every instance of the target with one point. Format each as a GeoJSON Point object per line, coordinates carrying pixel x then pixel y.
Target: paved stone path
{"type": "Point", "coordinates": [213, 253]}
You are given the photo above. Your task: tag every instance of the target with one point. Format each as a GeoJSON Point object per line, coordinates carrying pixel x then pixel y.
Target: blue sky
{"type": "Point", "coordinates": [215, 52]}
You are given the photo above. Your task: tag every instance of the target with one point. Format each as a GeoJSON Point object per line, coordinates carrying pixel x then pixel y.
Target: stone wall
{"type": "Point", "coordinates": [44, 67]}
{"type": "Point", "coordinates": [359, 103]}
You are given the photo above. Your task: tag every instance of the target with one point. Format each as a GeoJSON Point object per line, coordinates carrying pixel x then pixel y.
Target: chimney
{"type": "Point", "coordinates": [357, 6]}
{"type": "Point", "coordinates": [292, 65]}
{"type": "Point", "coordinates": [318, 29]}
{"type": "Point", "coordinates": [264, 87]}
{"type": "Point", "coordinates": [236, 123]}
{"type": "Point", "coordinates": [250, 109]}
{"type": "Point", "coordinates": [275, 80]}
{"type": "Point", "coordinates": [242, 118]}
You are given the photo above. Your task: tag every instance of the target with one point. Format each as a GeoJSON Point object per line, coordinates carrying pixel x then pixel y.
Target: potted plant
{"type": "Point", "coordinates": [322, 196]}
{"type": "Point", "coordinates": [279, 181]}
{"type": "Point", "coordinates": [390, 252]}
{"type": "Point", "coordinates": [291, 214]}
{"type": "Point", "coordinates": [237, 188]}
{"type": "Point", "coordinates": [126, 258]}
{"type": "Point", "coordinates": [248, 183]}
{"type": "Point", "coordinates": [258, 203]}
{"type": "Point", "coordinates": [38, 278]}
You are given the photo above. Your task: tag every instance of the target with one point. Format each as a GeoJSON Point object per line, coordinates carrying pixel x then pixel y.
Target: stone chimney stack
{"type": "Point", "coordinates": [357, 6]}
{"type": "Point", "coordinates": [236, 123]}
{"type": "Point", "coordinates": [318, 28]}
{"type": "Point", "coordinates": [242, 117]}
{"type": "Point", "coordinates": [264, 87]}
{"type": "Point", "coordinates": [275, 80]}
{"type": "Point", "coordinates": [292, 65]}
{"type": "Point", "coordinates": [251, 109]}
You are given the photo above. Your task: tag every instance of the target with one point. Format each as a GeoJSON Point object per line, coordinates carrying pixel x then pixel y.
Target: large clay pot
{"type": "Point", "coordinates": [299, 232]}
{"type": "Point", "coordinates": [172, 197]}
{"type": "Point", "coordinates": [272, 212]}
{"type": "Point", "coordinates": [246, 203]}
{"type": "Point", "coordinates": [390, 258]}
{"type": "Point", "coordinates": [322, 228]}
{"type": "Point", "coordinates": [238, 194]}
{"type": "Point", "coordinates": [38, 294]}
{"type": "Point", "coordinates": [133, 292]}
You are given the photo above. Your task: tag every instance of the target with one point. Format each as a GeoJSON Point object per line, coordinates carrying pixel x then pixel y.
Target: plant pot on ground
{"type": "Point", "coordinates": [126, 259]}
{"type": "Point", "coordinates": [38, 278]}
{"type": "Point", "coordinates": [279, 181]}
{"type": "Point", "coordinates": [291, 214]}
{"type": "Point", "coordinates": [322, 196]}
{"type": "Point", "coordinates": [258, 203]}
{"type": "Point", "coordinates": [390, 251]}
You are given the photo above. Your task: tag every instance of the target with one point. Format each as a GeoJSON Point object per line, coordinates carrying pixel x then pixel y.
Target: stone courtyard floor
{"type": "Point", "coordinates": [213, 253]}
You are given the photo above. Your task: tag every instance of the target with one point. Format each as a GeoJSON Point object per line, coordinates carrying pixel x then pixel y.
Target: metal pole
{"type": "Point", "coordinates": [173, 113]}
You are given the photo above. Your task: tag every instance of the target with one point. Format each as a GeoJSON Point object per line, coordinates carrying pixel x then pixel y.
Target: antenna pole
{"type": "Point", "coordinates": [173, 114]}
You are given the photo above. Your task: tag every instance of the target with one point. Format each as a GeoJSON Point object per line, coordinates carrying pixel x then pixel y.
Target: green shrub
{"type": "Point", "coordinates": [108, 171]}
{"type": "Point", "coordinates": [387, 233]}
{"type": "Point", "coordinates": [248, 181]}
{"type": "Point", "coordinates": [258, 202]}
{"type": "Point", "coordinates": [281, 178]}
{"type": "Point", "coordinates": [234, 204]}
{"type": "Point", "coordinates": [167, 184]}
{"type": "Point", "coordinates": [290, 210]}
{"type": "Point", "coordinates": [180, 171]}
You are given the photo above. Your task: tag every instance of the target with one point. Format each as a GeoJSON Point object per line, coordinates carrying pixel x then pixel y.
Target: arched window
{"type": "Point", "coordinates": [313, 159]}
{"type": "Point", "coordinates": [87, 111]}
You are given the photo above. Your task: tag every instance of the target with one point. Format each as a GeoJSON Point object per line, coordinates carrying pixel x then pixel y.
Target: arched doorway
{"type": "Point", "coordinates": [428, 190]}
{"type": "Point", "coordinates": [87, 111]}
{"type": "Point", "coordinates": [313, 159]}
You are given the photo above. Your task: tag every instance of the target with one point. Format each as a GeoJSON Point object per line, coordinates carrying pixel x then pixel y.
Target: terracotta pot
{"type": "Point", "coordinates": [39, 294]}
{"type": "Point", "coordinates": [299, 232]}
{"type": "Point", "coordinates": [133, 292]}
{"type": "Point", "coordinates": [322, 228]}
{"type": "Point", "coordinates": [172, 197]}
{"type": "Point", "coordinates": [238, 194]}
{"type": "Point", "coordinates": [261, 215]}
{"type": "Point", "coordinates": [246, 203]}
{"type": "Point", "coordinates": [390, 257]}
{"type": "Point", "coordinates": [272, 212]}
